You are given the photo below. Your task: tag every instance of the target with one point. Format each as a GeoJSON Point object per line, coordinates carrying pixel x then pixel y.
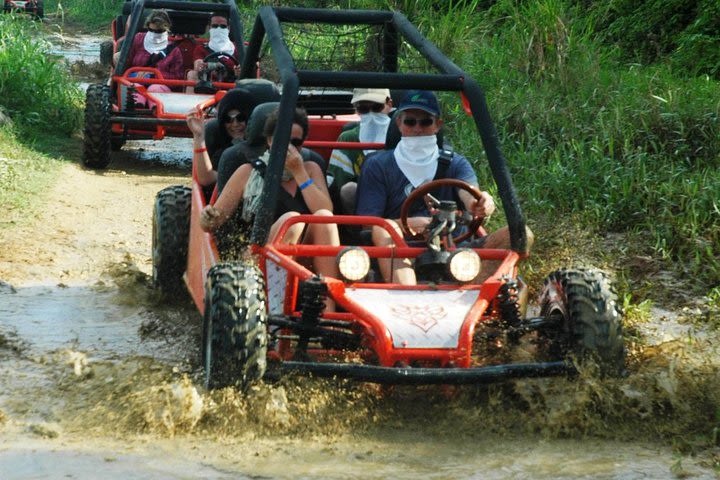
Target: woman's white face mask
{"type": "Point", "coordinates": [155, 42]}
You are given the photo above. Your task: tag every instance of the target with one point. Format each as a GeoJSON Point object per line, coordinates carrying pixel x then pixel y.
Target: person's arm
{"type": "Point", "coordinates": [478, 208]}
{"type": "Point", "coordinates": [206, 174]}
{"type": "Point", "coordinates": [214, 216]}
{"type": "Point", "coordinates": [310, 181]}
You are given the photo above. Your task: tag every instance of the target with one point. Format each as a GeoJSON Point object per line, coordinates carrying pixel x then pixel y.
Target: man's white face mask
{"type": "Point", "coordinates": [155, 42]}
{"type": "Point", "coordinates": [373, 128]}
{"type": "Point", "coordinates": [220, 41]}
{"type": "Point", "coordinates": [417, 158]}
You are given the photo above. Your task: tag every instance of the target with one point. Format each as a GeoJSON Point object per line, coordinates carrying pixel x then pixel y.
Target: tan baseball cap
{"type": "Point", "coordinates": [377, 95]}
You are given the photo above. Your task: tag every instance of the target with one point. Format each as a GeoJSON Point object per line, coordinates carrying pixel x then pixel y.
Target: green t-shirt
{"type": "Point", "coordinates": [345, 165]}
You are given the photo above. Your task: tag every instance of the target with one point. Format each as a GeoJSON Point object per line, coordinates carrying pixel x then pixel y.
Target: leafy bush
{"type": "Point", "coordinates": [35, 90]}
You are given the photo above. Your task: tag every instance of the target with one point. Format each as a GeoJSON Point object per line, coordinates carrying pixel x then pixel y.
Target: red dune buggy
{"type": "Point", "coordinates": [31, 7]}
{"type": "Point", "coordinates": [112, 115]}
{"type": "Point", "coordinates": [264, 314]}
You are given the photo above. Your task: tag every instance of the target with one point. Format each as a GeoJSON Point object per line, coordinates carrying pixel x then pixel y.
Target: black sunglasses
{"type": "Point", "coordinates": [157, 30]}
{"type": "Point", "coordinates": [362, 109]}
{"type": "Point", "coordinates": [296, 142]}
{"type": "Point", "coordinates": [238, 117]}
{"type": "Point", "coordinates": [424, 122]}
{"type": "Point", "coordinates": [217, 25]}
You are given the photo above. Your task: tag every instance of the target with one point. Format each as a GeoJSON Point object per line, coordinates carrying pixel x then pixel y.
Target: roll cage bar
{"type": "Point", "coordinates": [138, 7]}
{"type": "Point", "coordinates": [397, 28]}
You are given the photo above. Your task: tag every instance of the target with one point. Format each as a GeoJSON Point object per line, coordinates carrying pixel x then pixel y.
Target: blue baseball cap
{"type": "Point", "coordinates": [422, 100]}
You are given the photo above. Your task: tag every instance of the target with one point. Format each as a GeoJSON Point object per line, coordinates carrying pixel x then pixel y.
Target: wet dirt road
{"type": "Point", "coordinates": [98, 380]}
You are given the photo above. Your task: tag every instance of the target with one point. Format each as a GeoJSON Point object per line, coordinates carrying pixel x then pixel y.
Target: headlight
{"type": "Point", "coordinates": [353, 263]}
{"type": "Point", "coordinates": [464, 265]}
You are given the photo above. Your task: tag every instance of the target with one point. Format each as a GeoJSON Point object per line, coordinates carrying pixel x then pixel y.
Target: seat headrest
{"type": "Point", "coordinates": [261, 89]}
{"type": "Point", "coordinates": [254, 131]}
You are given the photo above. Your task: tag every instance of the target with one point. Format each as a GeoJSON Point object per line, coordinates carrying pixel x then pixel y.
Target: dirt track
{"type": "Point", "coordinates": [89, 222]}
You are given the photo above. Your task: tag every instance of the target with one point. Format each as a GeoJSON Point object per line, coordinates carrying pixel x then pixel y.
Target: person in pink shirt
{"type": "Point", "coordinates": [152, 49]}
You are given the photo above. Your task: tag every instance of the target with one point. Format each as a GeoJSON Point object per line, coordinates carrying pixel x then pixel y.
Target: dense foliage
{"type": "Point", "coordinates": [35, 90]}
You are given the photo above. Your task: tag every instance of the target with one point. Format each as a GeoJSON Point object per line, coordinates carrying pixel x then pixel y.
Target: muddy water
{"type": "Point", "coordinates": [99, 380]}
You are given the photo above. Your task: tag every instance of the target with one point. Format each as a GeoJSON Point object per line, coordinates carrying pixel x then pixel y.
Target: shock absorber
{"type": "Point", "coordinates": [312, 295]}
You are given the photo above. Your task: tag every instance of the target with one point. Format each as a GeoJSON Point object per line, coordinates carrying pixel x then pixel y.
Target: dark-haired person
{"type": "Point", "coordinates": [220, 43]}
{"type": "Point", "coordinates": [211, 139]}
{"type": "Point", "coordinates": [388, 177]}
{"type": "Point", "coordinates": [152, 49]}
{"type": "Point", "coordinates": [303, 191]}
{"type": "Point", "coordinates": [374, 106]}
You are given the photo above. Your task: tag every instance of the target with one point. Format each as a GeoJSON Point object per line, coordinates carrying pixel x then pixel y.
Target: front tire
{"type": "Point", "coordinates": [96, 145]}
{"type": "Point", "coordinates": [234, 326]}
{"type": "Point", "coordinates": [171, 236]}
{"type": "Point", "coordinates": [584, 317]}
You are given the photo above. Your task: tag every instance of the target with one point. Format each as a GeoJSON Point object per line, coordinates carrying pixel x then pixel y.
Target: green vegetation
{"type": "Point", "coordinates": [24, 172]}
{"type": "Point", "coordinates": [618, 147]}
{"type": "Point", "coordinates": [37, 93]}
{"type": "Point", "coordinates": [35, 90]}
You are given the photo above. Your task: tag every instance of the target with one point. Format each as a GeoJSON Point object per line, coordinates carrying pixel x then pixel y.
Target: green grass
{"type": "Point", "coordinates": [24, 174]}
{"type": "Point", "coordinates": [35, 89]}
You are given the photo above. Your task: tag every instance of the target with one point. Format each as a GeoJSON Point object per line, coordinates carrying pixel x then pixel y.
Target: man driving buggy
{"type": "Point", "coordinates": [388, 178]}
{"type": "Point", "coordinates": [221, 46]}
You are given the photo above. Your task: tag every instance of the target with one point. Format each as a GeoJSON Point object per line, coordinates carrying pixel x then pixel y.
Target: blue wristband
{"type": "Point", "coordinates": [306, 184]}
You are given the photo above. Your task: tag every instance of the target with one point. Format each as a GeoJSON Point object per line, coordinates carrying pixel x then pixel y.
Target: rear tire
{"type": "Point", "coordinates": [96, 145]}
{"type": "Point", "coordinates": [584, 309]}
{"type": "Point", "coordinates": [171, 236]}
{"type": "Point", "coordinates": [106, 52]}
{"type": "Point", "coordinates": [234, 326]}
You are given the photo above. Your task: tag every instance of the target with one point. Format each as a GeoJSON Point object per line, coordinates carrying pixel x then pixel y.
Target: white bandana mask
{"type": "Point", "coordinates": [155, 42]}
{"type": "Point", "coordinates": [417, 158]}
{"type": "Point", "coordinates": [373, 128]}
{"type": "Point", "coordinates": [220, 41]}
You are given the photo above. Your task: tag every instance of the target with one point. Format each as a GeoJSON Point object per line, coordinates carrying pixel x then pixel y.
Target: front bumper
{"type": "Point", "coordinates": [425, 376]}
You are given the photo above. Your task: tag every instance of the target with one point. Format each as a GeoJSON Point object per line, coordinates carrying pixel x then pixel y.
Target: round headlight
{"type": "Point", "coordinates": [464, 265]}
{"type": "Point", "coordinates": [353, 263]}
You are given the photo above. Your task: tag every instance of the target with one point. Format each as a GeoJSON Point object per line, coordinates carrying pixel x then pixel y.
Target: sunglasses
{"type": "Point", "coordinates": [296, 142]}
{"type": "Point", "coordinates": [238, 117]}
{"type": "Point", "coordinates": [157, 30]}
{"type": "Point", "coordinates": [368, 107]}
{"type": "Point", "coordinates": [424, 122]}
{"type": "Point", "coordinates": [218, 25]}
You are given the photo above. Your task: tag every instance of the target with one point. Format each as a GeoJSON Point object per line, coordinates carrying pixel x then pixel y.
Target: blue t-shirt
{"type": "Point", "coordinates": [383, 187]}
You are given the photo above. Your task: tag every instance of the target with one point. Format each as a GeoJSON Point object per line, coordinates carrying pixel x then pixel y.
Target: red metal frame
{"type": "Point", "coordinates": [158, 132]}
{"type": "Point", "coordinates": [377, 340]}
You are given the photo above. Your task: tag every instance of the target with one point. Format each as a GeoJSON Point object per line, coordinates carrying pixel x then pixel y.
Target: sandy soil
{"type": "Point", "coordinates": [89, 222]}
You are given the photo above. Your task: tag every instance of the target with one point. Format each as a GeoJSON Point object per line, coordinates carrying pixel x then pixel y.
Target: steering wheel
{"type": "Point", "coordinates": [422, 190]}
{"type": "Point", "coordinates": [217, 55]}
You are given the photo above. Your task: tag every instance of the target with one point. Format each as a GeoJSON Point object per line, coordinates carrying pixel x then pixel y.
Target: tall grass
{"type": "Point", "coordinates": [621, 147]}
{"type": "Point", "coordinates": [35, 90]}
{"type": "Point", "coordinates": [95, 13]}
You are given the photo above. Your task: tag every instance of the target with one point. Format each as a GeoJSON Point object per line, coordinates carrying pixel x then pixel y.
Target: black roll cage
{"type": "Point", "coordinates": [397, 28]}
{"type": "Point", "coordinates": [138, 7]}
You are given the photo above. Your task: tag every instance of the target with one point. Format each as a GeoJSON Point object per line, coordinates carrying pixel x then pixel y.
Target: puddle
{"type": "Point", "coordinates": [100, 321]}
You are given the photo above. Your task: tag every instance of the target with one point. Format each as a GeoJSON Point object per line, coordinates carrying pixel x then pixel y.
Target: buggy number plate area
{"type": "Point", "coordinates": [276, 286]}
{"type": "Point", "coordinates": [418, 319]}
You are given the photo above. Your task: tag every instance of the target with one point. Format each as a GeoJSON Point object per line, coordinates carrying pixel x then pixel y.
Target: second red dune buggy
{"type": "Point", "coordinates": [112, 114]}
{"type": "Point", "coordinates": [265, 313]}
{"type": "Point", "coordinates": [31, 7]}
